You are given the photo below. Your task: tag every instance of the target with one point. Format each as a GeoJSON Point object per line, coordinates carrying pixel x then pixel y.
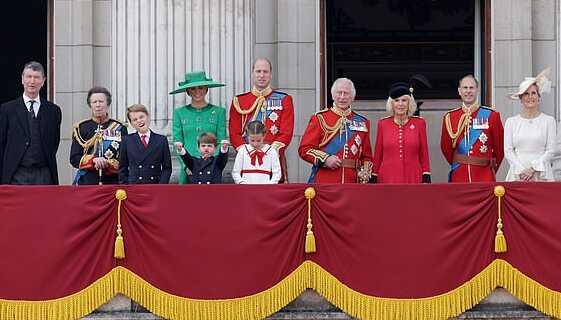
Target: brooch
{"type": "Point", "coordinates": [274, 116]}
{"type": "Point", "coordinates": [483, 137]}
{"type": "Point", "coordinates": [274, 130]}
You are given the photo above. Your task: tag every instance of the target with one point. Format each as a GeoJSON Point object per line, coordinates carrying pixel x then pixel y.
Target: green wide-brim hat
{"type": "Point", "coordinates": [196, 79]}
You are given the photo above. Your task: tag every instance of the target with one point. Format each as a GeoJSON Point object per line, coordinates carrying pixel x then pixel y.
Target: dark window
{"type": "Point", "coordinates": [378, 42]}
{"type": "Point", "coordinates": [23, 30]}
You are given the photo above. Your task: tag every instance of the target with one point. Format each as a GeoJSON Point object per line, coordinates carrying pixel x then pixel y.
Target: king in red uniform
{"type": "Point", "coordinates": [337, 140]}
{"type": "Point", "coordinates": [273, 108]}
{"type": "Point", "coordinates": [472, 137]}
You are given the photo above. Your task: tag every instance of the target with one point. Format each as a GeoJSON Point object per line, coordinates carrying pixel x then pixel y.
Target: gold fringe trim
{"type": "Point", "coordinates": [73, 306]}
{"type": "Point", "coordinates": [498, 274]}
{"type": "Point", "coordinates": [307, 275]}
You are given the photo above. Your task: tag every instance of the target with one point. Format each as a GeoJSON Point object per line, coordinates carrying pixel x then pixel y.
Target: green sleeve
{"type": "Point", "coordinates": [221, 125]}
{"type": "Point", "coordinates": [177, 130]}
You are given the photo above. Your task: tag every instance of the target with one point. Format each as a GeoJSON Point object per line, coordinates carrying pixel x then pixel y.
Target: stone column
{"type": "Point", "coordinates": [286, 33]}
{"type": "Point", "coordinates": [154, 43]}
{"type": "Point", "coordinates": [512, 52]}
{"type": "Point", "coordinates": [74, 49]}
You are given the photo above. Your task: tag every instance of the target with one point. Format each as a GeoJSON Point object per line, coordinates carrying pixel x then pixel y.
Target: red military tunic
{"type": "Point", "coordinates": [274, 108]}
{"type": "Point", "coordinates": [401, 154]}
{"type": "Point", "coordinates": [472, 142]}
{"type": "Point", "coordinates": [336, 132]}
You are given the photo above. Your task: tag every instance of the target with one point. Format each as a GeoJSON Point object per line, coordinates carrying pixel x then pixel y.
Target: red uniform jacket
{"type": "Point", "coordinates": [472, 143]}
{"type": "Point", "coordinates": [401, 154]}
{"type": "Point", "coordinates": [332, 132]}
{"type": "Point", "coordinates": [275, 109]}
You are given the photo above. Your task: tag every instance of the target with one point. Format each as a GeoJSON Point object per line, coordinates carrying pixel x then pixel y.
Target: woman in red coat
{"type": "Point", "coordinates": [401, 154]}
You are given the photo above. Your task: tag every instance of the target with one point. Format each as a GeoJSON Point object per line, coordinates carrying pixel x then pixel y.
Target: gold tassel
{"type": "Point", "coordinates": [310, 242]}
{"type": "Point", "coordinates": [119, 240]}
{"type": "Point", "coordinates": [310, 246]}
{"type": "Point", "coordinates": [500, 240]}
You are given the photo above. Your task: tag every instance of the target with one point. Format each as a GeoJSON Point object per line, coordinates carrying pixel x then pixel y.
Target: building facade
{"type": "Point", "coordinates": [140, 49]}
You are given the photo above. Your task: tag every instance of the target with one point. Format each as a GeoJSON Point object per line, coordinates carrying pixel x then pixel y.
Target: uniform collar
{"type": "Point", "coordinates": [340, 112]}
{"type": "Point", "coordinates": [470, 109]}
{"type": "Point", "coordinates": [107, 119]}
{"type": "Point", "coordinates": [265, 92]}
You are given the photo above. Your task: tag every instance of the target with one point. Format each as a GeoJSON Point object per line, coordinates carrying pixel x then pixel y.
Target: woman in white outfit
{"type": "Point", "coordinates": [529, 140]}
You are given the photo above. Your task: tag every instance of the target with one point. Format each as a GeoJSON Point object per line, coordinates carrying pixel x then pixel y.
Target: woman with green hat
{"type": "Point", "coordinates": [197, 117]}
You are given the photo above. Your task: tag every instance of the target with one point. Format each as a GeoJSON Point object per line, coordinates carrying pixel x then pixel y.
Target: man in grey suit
{"type": "Point", "coordinates": [29, 133]}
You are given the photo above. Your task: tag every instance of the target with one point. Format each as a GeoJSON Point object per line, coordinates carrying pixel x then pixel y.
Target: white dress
{"type": "Point", "coordinates": [266, 171]}
{"type": "Point", "coordinates": [530, 143]}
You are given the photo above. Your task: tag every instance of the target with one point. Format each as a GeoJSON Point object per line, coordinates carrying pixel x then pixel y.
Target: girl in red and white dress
{"type": "Point", "coordinates": [256, 162]}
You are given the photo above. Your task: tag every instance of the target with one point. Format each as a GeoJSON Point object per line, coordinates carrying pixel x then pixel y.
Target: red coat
{"type": "Point", "coordinates": [327, 135]}
{"type": "Point", "coordinates": [472, 144]}
{"type": "Point", "coordinates": [401, 154]}
{"type": "Point", "coordinates": [277, 111]}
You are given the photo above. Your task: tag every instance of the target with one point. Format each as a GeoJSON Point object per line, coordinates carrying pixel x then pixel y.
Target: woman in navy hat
{"type": "Point", "coordinates": [401, 153]}
{"type": "Point", "coordinates": [190, 121]}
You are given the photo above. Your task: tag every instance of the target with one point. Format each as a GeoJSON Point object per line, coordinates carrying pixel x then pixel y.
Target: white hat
{"type": "Point", "coordinates": [541, 81]}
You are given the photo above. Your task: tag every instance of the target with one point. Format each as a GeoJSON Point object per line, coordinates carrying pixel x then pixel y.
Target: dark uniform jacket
{"type": "Point", "coordinates": [140, 165]}
{"type": "Point", "coordinates": [206, 171]}
{"type": "Point", "coordinates": [15, 136]}
{"type": "Point", "coordinates": [85, 147]}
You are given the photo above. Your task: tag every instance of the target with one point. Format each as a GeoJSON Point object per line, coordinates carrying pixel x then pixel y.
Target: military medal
{"type": "Point", "coordinates": [274, 130]}
{"type": "Point", "coordinates": [273, 116]}
{"type": "Point", "coordinates": [358, 140]}
{"type": "Point", "coordinates": [483, 137]}
{"type": "Point", "coordinates": [354, 149]}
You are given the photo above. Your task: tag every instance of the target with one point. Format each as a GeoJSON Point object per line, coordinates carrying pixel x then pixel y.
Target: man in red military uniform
{"type": "Point", "coordinates": [472, 137]}
{"type": "Point", "coordinates": [273, 108]}
{"type": "Point", "coordinates": [337, 140]}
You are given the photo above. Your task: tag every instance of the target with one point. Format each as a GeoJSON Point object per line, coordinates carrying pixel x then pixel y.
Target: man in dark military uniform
{"type": "Point", "coordinates": [96, 142]}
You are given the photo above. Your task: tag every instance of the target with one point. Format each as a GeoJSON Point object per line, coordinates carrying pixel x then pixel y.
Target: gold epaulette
{"type": "Point", "coordinates": [450, 111]}
{"type": "Point", "coordinates": [76, 134]}
{"type": "Point", "coordinates": [77, 124]}
{"type": "Point", "coordinates": [328, 131]}
{"type": "Point", "coordinates": [243, 94]}
{"type": "Point", "coordinates": [322, 111]}
{"type": "Point", "coordinates": [239, 110]}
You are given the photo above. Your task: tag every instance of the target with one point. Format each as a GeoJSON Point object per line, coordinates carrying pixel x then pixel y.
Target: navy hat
{"type": "Point", "coordinates": [399, 89]}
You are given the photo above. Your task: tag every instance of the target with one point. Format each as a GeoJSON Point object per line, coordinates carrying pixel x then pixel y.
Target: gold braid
{"type": "Point", "coordinates": [257, 104]}
{"type": "Point", "coordinates": [462, 123]}
{"type": "Point", "coordinates": [330, 131]}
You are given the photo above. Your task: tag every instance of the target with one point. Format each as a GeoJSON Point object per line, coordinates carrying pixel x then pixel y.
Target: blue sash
{"type": "Point", "coordinates": [336, 144]}
{"type": "Point", "coordinates": [463, 147]}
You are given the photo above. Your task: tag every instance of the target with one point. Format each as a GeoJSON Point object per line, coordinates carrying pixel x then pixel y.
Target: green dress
{"type": "Point", "coordinates": [189, 123]}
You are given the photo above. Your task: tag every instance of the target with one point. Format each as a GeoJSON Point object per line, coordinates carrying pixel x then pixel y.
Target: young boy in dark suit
{"type": "Point", "coordinates": [207, 169]}
{"type": "Point", "coordinates": [145, 156]}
